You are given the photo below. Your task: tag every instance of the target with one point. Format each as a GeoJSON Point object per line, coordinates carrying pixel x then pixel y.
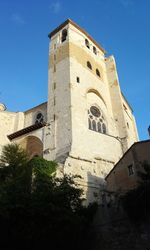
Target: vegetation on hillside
{"type": "Point", "coordinates": [36, 208]}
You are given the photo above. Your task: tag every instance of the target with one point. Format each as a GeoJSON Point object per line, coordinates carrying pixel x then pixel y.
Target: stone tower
{"type": "Point", "coordinates": [87, 124]}
{"type": "Point", "coordinates": [90, 122]}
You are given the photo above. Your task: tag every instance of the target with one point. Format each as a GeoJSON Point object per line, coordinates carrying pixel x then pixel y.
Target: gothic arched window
{"type": "Point", "coordinates": [98, 73]}
{"type": "Point", "coordinates": [96, 120]}
{"type": "Point", "coordinates": [39, 118]}
{"type": "Point", "coordinates": [89, 65]}
{"type": "Point", "coordinates": [87, 43]}
{"type": "Point", "coordinates": [64, 35]}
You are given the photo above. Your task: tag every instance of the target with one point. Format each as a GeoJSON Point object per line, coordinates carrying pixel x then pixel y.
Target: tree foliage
{"type": "Point", "coordinates": [136, 202]}
{"type": "Point", "coordinates": [36, 208]}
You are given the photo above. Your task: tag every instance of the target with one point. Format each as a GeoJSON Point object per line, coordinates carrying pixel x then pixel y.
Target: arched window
{"type": "Point", "coordinates": [94, 125]}
{"type": "Point", "coordinates": [87, 43]}
{"type": "Point", "coordinates": [99, 127]}
{"type": "Point", "coordinates": [39, 118]}
{"type": "Point", "coordinates": [96, 120]}
{"type": "Point", "coordinates": [104, 128]}
{"type": "Point", "coordinates": [98, 73]}
{"type": "Point", "coordinates": [90, 125]}
{"type": "Point", "coordinates": [64, 35]}
{"type": "Point", "coordinates": [89, 65]}
{"type": "Point", "coordinates": [94, 50]}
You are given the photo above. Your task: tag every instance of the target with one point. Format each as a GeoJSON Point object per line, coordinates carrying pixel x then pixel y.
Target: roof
{"type": "Point", "coordinates": [26, 130]}
{"type": "Point", "coordinates": [79, 28]}
{"type": "Point", "coordinates": [133, 145]}
{"type": "Point", "coordinates": [127, 101]}
{"type": "Point", "coordinates": [38, 106]}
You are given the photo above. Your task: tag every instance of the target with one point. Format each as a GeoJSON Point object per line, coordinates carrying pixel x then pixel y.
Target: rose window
{"type": "Point", "coordinates": [96, 120]}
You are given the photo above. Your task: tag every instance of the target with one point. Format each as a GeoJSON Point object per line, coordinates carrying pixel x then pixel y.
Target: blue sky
{"type": "Point", "coordinates": [122, 27]}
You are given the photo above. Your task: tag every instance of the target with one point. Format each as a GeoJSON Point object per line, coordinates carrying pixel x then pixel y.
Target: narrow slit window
{"type": "Point", "coordinates": [54, 85]}
{"type": "Point", "coordinates": [94, 50]}
{"type": "Point", "coordinates": [130, 170]}
{"type": "Point", "coordinates": [78, 79]}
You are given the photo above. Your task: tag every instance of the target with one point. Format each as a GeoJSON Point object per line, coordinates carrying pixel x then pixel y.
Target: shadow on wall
{"type": "Point", "coordinates": [109, 207]}
{"type": "Point", "coordinates": [96, 185]}
{"type": "Point", "coordinates": [33, 146]}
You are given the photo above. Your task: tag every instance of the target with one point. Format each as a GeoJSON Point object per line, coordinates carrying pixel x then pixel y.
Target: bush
{"type": "Point", "coordinates": [36, 208]}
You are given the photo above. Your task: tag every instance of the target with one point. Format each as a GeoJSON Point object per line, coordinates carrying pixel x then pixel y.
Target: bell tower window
{"type": "Point", "coordinates": [94, 50]}
{"type": "Point", "coordinates": [89, 65]}
{"type": "Point", "coordinates": [87, 43]}
{"type": "Point", "coordinates": [64, 35]}
{"type": "Point", "coordinates": [98, 73]}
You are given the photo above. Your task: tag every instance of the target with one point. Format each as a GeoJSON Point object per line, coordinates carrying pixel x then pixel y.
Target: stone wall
{"type": "Point", "coordinates": [10, 122]}
{"type": "Point", "coordinates": [30, 115]}
{"type": "Point", "coordinates": [119, 179]}
{"type": "Point", "coordinates": [113, 230]}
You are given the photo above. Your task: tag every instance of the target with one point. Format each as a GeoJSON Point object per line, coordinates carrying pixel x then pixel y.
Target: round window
{"type": "Point", "coordinates": [39, 118]}
{"type": "Point", "coordinates": [95, 111]}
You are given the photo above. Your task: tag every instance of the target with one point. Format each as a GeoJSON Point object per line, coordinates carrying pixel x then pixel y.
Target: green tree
{"type": "Point", "coordinates": [15, 176]}
{"type": "Point", "coordinates": [37, 208]}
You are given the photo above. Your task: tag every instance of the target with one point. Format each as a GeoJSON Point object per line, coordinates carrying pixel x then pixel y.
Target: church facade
{"type": "Point", "coordinates": [87, 124]}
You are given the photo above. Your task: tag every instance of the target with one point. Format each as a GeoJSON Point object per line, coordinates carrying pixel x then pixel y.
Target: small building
{"type": "Point", "coordinates": [124, 176]}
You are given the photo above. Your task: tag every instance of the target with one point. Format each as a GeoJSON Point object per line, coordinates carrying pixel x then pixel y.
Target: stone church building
{"type": "Point", "coordinates": [86, 125]}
